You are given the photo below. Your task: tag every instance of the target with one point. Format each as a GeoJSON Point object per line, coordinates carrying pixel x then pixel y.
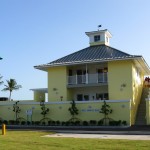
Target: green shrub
{"type": "Point", "coordinates": [115, 123]}
{"type": "Point", "coordinates": [77, 123]}
{"type": "Point", "coordinates": [57, 123]}
{"type": "Point", "coordinates": [53, 123]}
{"type": "Point", "coordinates": [28, 122]}
{"type": "Point", "coordinates": [112, 123]}
{"type": "Point", "coordinates": [63, 123]}
{"type": "Point", "coordinates": [85, 123]}
{"type": "Point", "coordinates": [49, 122]}
{"type": "Point", "coordinates": [5, 122]}
{"type": "Point", "coordinates": [93, 122]}
{"type": "Point", "coordinates": [1, 122]}
{"type": "Point", "coordinates": [33, 122]}
{"type": "Point", "coordinates": [17, 122]}
{"type": "Point", "coordinates": [119, 123]}
{"type": "Point", "coordinates": [37, 122]}
{"type": "Point", "coordinates": [67, 123]}
{"type": "Point", "coordinates": [43, 123]}
{"type": "Point", "coordinates": [100, 123]}
{"type": "Point", "coordinates": [23, 122]}
{"type": "Point", "coordinates": [11, 122]}
{"type": "Point", "coordinates": [124, 122]}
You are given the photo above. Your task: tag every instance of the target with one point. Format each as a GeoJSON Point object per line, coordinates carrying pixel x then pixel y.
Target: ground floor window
{"type": "Point", "coordinates": [82, 97]}
{"type": "Point", "coordinates": [102, 96]}
{"type": "Point", "coordinates": [86, 97]}
{"type": "Point", "coordinates": [79, 97]}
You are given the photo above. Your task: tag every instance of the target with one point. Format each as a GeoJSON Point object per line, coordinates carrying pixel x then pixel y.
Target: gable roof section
{"type": "Point", "coordinates": [90, 54]}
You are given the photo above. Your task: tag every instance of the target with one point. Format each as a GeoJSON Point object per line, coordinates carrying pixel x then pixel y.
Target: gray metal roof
{"type": "Point", "coordinates": [90, 54]}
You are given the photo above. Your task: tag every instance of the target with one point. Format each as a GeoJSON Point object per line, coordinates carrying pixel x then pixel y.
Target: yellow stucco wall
{"type": "Point", "coordinates": [70, 94]}
{"type": "Point", "coordinates": [39, 96]}
{"type": "Point", "coordinates": [59, 110]}
{"type": "Point", "coordinates": [137, 87]}
{"type": "Point", "coordinates": [57, 81]}
{"type": "Point", "coordinates": [120, 80]}
{"type": "Point", "coordinates": [125, 82]}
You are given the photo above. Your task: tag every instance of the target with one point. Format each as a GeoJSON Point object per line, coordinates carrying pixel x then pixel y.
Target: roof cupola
{"type": "Point", "coordinates": [99, 37]}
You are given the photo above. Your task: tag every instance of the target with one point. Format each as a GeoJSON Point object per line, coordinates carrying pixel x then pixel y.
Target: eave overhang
{"type": "Point", "coordinates": [141, 63]}
{"type": "Point", "coordinates": [99, 31]}
{"type": "Point", "coordinates": [44, 90]}
{"type": "Point", "coordinates": [138, 60]}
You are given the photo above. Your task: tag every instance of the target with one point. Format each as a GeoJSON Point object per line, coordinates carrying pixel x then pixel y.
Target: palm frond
{"type": "Point", "coordinates": [1, 82]}
{"type": "Point", "coordinates": [11, 85]}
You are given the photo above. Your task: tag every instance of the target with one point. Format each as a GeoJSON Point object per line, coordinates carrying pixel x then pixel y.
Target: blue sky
{"type": "Point", "coordinates": [34, 32]}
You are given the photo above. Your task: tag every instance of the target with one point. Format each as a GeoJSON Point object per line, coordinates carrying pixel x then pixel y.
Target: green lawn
{"type": "Point", "coordinates": [32, 140]}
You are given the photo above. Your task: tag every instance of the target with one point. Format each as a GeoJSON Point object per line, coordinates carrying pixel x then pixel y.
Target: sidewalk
{"type": "Point", "coordinates": [128, 135]}
{"type": "Point", "coordinates": [99, 136]}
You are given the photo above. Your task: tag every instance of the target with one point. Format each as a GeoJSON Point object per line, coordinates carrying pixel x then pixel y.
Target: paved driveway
{"type": "Point", "coordinates": [100, 136]}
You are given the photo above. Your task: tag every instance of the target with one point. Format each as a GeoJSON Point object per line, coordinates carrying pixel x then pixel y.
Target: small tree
{"type": "Point", "coordinates": [11, 85]}
{"type": "Point", "coordinates": [44, 109]}
{"type": "Point", "coordinates": [106, 110]}
{"type": "Point", "coordinates": [16, 109]}
{"type": "Point", "coordinates": [44, 113]}
{"type": "Point", "coordinates": [73, 111]}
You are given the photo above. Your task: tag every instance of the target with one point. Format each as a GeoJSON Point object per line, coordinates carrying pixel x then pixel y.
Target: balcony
{"type": "Point", "coordinates": [87, 80]}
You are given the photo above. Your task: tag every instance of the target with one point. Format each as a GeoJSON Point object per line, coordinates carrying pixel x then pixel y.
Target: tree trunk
{"type": "Point", "coordinates": [10, 96]}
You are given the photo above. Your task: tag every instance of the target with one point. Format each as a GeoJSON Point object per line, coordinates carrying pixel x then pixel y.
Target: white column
{"type": "Point", "coordinates": [86, 74]}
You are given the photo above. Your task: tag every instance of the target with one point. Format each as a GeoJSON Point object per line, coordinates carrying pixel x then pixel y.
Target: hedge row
{"type": "Point", "coordinates": [63, 123]}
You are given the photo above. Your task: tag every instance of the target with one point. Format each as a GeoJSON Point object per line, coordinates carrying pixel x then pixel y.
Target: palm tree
{"type": "Point", "coordinates": [11, 85]}
{"type": "Point", "coordinates": [1, 82]}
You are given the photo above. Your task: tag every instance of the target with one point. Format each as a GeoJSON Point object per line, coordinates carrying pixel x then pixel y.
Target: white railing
{"type": "Point", "coordinates": [87, 78]}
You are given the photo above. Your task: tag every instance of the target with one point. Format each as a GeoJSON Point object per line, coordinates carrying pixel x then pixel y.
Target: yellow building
{"type": "Point", "coordinates": [98, 72]}
{"type": "Point", "coordinates": [90, 76]}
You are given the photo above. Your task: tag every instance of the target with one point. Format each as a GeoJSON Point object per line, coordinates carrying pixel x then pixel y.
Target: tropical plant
{"type": "Point", "coordinates": [44, 109]}
{"type": "Point", "coordinates": [1, 82]}
{"type": "Point", "coordinates": [73, 111]}
{"type": "Point", "coordinates": [16, 109]}
{"type": "Point", "coordinates": [44, 112]}
{"type": "Point", "coordinates": [106, 110]}
{"type": "Point", "coordinates": [11, 86]}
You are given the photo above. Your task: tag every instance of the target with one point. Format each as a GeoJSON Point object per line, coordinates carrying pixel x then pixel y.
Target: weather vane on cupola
{"type": "Point", "coordinates": [99, 26]}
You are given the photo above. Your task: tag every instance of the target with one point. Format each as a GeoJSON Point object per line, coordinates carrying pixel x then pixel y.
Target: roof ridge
{"type": "Point", "coordinates": [119, 50]}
